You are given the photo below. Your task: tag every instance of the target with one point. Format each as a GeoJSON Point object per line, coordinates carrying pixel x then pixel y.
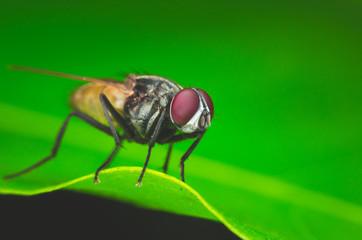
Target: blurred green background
{"type": "Point", "coordinates": [285, 77]}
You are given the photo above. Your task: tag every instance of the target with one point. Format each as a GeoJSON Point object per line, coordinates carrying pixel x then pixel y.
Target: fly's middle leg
{"type": "Point", "coordinates": [151, 144]}
{"type": "Point", "coordinates": [106, 107]}
{"type": "Point", "coordinates": [109, 109]}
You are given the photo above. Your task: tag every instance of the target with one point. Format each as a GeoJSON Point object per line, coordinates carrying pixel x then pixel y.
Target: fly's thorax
{"type": "Point", "coordinates": [143, 108]}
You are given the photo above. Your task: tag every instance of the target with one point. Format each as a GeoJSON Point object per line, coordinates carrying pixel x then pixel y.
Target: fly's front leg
{"type": "Point", "coordinates": [165, 166]}
{"type": "Point", "coordinates": [59, 137]}
{"type": "Point", "coordinates": [187, 154]}
{"type": "Point", "coordinates": [151, 144]}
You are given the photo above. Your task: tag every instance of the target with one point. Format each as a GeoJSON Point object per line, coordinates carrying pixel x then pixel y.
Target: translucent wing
{"type": "Point", "coordinates": [65, 75]}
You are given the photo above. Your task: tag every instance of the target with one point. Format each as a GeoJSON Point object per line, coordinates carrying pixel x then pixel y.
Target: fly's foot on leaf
{"type": "Point", "coordinates": [138, 184]}
{"type": "Point", "coordinates": [97, 181]}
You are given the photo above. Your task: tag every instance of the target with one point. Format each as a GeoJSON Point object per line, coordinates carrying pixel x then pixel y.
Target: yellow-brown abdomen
{"type": "Point", "coordinates": [86, 100]}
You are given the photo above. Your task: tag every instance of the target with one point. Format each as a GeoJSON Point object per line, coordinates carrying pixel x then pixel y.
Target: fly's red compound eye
{"type": "Point", "coordinates": [184, 106]}
{"type": "Point", "coordinates": [208, 100]}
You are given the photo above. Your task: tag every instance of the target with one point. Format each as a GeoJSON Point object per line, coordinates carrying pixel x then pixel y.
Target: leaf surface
{"type": "Point", "coordinates": [232, 197]}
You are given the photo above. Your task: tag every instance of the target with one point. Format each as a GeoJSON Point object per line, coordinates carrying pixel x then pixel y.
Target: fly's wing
{"type": "Point", "coordinates": [126, 87]}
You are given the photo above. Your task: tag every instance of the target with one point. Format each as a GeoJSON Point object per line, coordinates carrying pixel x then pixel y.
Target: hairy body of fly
{"type": "Point", "coordinates": [148, 108]}
{"type": "Point", "coordinates": [141, 107]}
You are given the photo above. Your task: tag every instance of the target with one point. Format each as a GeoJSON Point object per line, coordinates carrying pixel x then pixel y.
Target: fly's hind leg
{"type": "Point", "coordinates": [59, 137]}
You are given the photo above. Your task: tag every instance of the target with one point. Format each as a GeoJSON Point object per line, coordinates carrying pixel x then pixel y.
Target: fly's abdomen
{"type": "Point", "coordinates": [86, 100]}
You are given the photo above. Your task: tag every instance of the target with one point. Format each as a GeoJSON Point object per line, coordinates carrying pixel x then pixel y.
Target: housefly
{"type": "Point", "coordinates": [148, 109]}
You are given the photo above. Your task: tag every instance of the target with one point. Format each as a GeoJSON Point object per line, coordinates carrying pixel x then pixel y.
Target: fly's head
{"type": "Point", "coordinates": [191, 110]}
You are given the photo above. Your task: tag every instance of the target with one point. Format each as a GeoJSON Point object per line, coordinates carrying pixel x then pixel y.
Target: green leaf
{"type": "Point", "coordinates": [159, 191]}
{"type": "Point", "coordinates": [120, 185]}
{"type": "Point", "coordinates": [228, 188]}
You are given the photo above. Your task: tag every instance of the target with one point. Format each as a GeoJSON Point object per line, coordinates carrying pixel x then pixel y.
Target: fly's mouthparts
{"type": "Point", "coordinates": [202, 121]}
{"type": "Point", "coordinates": [205, 120]}
{"type": "Point", "coordinates": [208, 120]}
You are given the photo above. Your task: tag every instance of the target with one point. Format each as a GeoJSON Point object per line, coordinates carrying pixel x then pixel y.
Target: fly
{"type": "Point", "coordinates": [148, 109]}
